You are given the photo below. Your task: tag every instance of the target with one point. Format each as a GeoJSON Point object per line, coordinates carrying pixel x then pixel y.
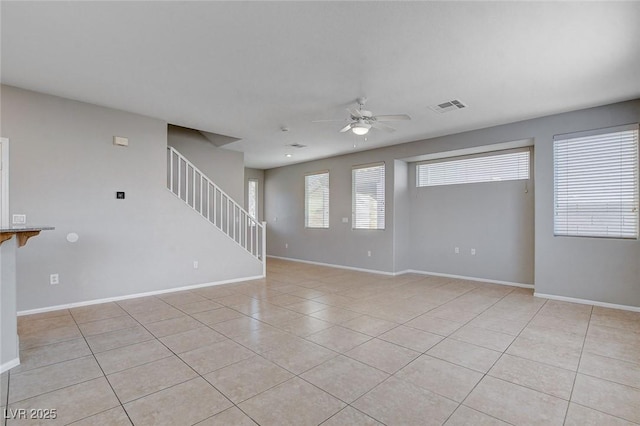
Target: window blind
{"type": "Point", "coordinates": [368, 197]}
{"type": "Point", "coordinates": [596, 184]}
{"type": "Point", "coordinates": [316, 200]}
{"type": "Point", "coordinates": [486, 168]}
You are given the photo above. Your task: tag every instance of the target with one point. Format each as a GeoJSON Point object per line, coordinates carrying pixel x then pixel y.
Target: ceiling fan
{"type": "Point", "coordinates": [361, 120]}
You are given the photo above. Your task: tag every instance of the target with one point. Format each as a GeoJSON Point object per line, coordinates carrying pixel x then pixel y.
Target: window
{"type": "Point", "coordinates": [252, 196]}
{"type": "Point", "coordinates": [596, 183]}
{"type": "Point", "coordinates": [489, 167]}
{"type": "Point", "coordinates": [316, 200]}
{"type": "Point", "coordinates": [368, 196]}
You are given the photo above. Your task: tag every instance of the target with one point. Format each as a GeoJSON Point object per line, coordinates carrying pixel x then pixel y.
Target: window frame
{"type": "Point", "coordinates": [354, 222]}
{"type": "Point", "coordinates": [306, 200]}
{"type": "Point", "coordinates": [527, 149]}
{"type": "Point", "coordinates": [557, 139]}
{"type": "Point", "coordinates": [256, 201]}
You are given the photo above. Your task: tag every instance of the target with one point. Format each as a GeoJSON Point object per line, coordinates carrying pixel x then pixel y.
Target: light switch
{"type": "Point", "coordinates": [345, 220]}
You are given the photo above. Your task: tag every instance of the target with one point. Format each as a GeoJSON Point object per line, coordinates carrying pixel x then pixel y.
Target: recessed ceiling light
{"type": "Point", "coordinates": [288, 155]}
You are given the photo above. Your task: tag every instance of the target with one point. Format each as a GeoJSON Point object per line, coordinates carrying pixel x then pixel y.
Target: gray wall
{"type": "Point", "coordinates": [65, 172]}
{"type": "Point", "coordinates": [402, 247]}
{"type": "Point", "coordinates": [224, 167]}
{"type": "Point", "coordinates": [494, 218]}
{"type": "Point", "coordinates": [258, 175]}
{"type": "Point", "coordinates": [340, 245]}
{"type": "Point", "coordinates": [605, 270]}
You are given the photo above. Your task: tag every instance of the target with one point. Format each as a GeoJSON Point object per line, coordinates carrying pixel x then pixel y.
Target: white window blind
{"type": "Point", "coordinates": [490, 167]}
{"type": "Point", "coordinates": [252, 195]}
{"type": "Point", "coordinates": [596, 184]}
{"type": "Point", "coordinates": [368, 197]}
{"type": "Point", "coordinates": [316, 200]}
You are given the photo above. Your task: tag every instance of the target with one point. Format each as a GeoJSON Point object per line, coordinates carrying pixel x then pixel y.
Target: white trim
{"type": "Point", "coordinates": [331, 265]}
{"type": "Point", "coordinates": [133, 296]}
{"type": "Point", "coordinates": [482, 149]}
{"type": "Point", "coordinates": [406, 271]}
{"type": "Point", "coordinates": [9, 365]}
{"type": "Point", "coordinates": [588, 302]}
{"type": "Point", "coordinates": [4, 214]}
{"type": "Point", "coordinates": [484, 280]}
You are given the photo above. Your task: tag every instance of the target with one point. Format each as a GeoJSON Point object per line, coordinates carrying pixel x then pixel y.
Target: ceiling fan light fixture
{"type": "Point", "coordinates": [360, 128]}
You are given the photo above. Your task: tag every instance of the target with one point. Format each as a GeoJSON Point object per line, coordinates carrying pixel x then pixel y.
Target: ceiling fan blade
{"type": "Point", "coordinates": [396, 117]}
{"type": "Point", "coordinates": [355, 113]}
{"type": "Point", "coordinates": [382, 126]}
{"type": "Point", "coordinates": [346, 128]}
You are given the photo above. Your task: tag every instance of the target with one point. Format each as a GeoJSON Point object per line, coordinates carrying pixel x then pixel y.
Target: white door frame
{"type": "Point", "coordinates": [4, 214]}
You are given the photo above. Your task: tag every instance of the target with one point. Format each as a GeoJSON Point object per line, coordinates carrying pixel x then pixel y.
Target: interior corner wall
{"type": "Point", "coordinates": [258, 175]}
{"type": "Point", "coordinates": [223, 166]}
{"type": "Point", "coordinates": [599, 269]}
{"type": "Point", "coordinates": [340, 244]}
{"type": "Point", "coordinates": [402, 217]}
{"type": "Point", "coordinates": [65, 172]}
{"type": "Point", "coordinates": [592, 269]}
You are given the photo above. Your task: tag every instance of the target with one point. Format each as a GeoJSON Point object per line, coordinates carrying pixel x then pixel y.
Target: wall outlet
{"type": "Point", "coordinates": [286, 245]}
{"type": "Point", "coordinates": [54, 279]}
{"type": "Point", "coordinates": [195, 264]}
{"type": "Point", "coordinates": [368, 253]}
{"type": "Point", "coordinates": [345, 220]}
{"type": "Point", "coordinates": [456, 250]}
{"type": "Point", "coordinates": [473, 252]}
{"type": "Point", "coordinates": [19, 219]}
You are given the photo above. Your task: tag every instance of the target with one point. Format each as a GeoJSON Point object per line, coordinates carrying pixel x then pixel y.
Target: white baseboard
{"type": "Point", "coordinates": [462, 277]}
{"type": "Point", "coordinates": [350, 268]}
{"type": "Point", "coordinates": [406, 271]}
{"type": "Point", "coordinates": [133, 296]}
{"type": "Point", "coordinates": [588, 302]}
{"type": "Point", "coordinates": [9, 365]}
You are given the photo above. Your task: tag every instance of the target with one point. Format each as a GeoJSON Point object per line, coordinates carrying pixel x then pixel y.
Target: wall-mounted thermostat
{"type": "Point", "coordinates": [119, 140]}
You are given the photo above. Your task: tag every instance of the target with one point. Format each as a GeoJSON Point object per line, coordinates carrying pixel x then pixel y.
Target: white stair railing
{"type": "Point", "coordinates": [189, 184]}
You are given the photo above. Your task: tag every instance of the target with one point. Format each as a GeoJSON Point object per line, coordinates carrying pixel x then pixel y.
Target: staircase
{"type": "Point", "coordinates": [189, 184]}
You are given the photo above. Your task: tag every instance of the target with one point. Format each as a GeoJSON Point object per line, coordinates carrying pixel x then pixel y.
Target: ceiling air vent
{"type": "Point", "coordinates": [449, 106]}
{"type": "Point", "coordinates": [297, 145]}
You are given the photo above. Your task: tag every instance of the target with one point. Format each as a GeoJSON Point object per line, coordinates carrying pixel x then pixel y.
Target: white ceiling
{"type": "Point", "coordinates": [246, 69]}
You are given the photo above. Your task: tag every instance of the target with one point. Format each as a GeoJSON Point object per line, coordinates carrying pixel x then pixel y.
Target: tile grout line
{"type": "Point", "coordinates": [500, 357]}
{"type": "Point", "coordinates": [573, 385]}
{"type": "Point", "coordinates": [484, 374]}
{"type": "Point", "coordinates": [412, 360]}
{"type": "Point", "coordinates": [309, 369]}
{"type": "Point", "coordinates": [255, 354]}
{"type": "Point", "coordinates": [194, 370]}
{"type": "Point", "coordinates": [103, 374]}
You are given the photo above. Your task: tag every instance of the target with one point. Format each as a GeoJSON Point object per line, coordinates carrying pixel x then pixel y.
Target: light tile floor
{"type": "Point", "coordinates": [314, 345]}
